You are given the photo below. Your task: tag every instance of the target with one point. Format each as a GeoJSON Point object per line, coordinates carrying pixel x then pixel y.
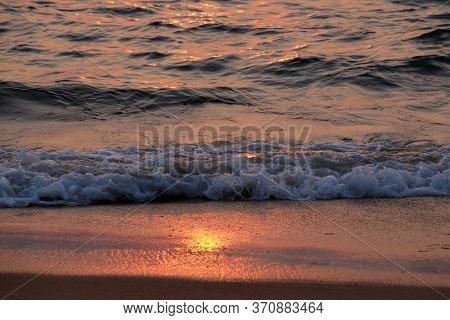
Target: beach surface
{"type": "Point", "coordinates": [349, 249]}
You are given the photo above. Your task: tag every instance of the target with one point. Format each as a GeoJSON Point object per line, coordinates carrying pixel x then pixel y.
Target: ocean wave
{"type": "Point", "coordinates": [420, 3]}
{"type": "Point", "coordinates": [370, 80]}
{"type": "Point", "coordinates": [431, 64]}
{"type": "Point", "coordinates": [144, 39]}
{"type": "Point", "coordinates": [76, 54]}
{"type": "Point", "coordinates": [127, 11]}
{"type": "Point", "coordinates": [356, 36]}
{"type": "Point", "coordinates": [360, 71]}
{"type": "Point", "coordinates": [436, 35]}
{"type": "Point", "coordinates": [321, 171]}
{"type": "Point", "coordinates": [26, 48]}
{"type": "Point", "coordinates": [296, 71]}
{"type": "Point", "coordinates": [217, 27]}
{"type": "Point", "coordinates": [83, 37]}
{"type": "Point", "coordinates": [45, 3]}
{"type": "Point", "coordinates": [303, 71]}
{"type": "Point", "coordinates": [210, 65]}
{"type": "Point", "coordinates": [150, 55]}
{"type": "Point", "coordinates": [440, 16]}
{"type": "Point", "coordinates": [233, 29]}
{"type": "Point", "coordinates": [162, 24]}
{"type": "Point", "coordinates": [90, 102]}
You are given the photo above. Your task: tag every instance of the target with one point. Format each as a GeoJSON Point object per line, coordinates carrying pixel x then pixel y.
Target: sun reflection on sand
{"type": "Point", "coordinates": [201, 241]}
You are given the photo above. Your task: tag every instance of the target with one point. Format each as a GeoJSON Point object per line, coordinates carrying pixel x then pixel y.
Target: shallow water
{"type": "Point", "coordinates": [347, 70]}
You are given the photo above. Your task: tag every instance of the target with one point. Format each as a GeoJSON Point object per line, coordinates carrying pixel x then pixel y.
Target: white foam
{"type": "Point", "coordinates": [347, 171]}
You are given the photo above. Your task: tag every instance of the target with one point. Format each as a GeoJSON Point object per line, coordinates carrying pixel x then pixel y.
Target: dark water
{"type": "Point", "coordinates": [368, 64]}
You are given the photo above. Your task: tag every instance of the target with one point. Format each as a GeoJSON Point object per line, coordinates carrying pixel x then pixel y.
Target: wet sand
{"type": "Point", "coordinates": [379, 248]}
{"type": "Point", "coordinates": [142, 288]}
{"type": "Point", "coordinates": [122, 132]}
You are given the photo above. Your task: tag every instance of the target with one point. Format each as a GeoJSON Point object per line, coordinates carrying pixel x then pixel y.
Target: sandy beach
{"type": "Point", "coordinates": [352, 249]}
{"type": "Point", "coordinates": [145, 288]}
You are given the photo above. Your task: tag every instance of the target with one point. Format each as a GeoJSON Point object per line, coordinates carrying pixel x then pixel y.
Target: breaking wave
{"type": "Point", "coordinates": [255, 171]}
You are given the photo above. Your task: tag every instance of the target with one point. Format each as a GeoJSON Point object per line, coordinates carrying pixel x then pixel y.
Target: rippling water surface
{"type": "Point", "coordinates": [367, 65]}
{"type": "Point", "coordinates": [112, 58]}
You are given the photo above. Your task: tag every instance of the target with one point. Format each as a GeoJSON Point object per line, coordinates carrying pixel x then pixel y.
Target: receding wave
{"type": "Point", "coordinates": [255, 171]}
{"type": "Point", "coordinates": [92, 102]}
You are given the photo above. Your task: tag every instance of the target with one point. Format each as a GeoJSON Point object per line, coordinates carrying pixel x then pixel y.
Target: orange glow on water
{"type": "Point", "coordinates": [252, 156]}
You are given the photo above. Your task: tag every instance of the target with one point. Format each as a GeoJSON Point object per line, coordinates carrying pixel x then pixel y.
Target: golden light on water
{"type": "Point", "coordinates": [252, 156]}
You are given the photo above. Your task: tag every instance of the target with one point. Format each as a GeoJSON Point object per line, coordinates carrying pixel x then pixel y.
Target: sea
{"type": "Point", "coordinates": [368, 81]}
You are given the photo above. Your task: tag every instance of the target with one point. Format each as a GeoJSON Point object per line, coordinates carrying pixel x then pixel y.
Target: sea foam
{"type": "Point", "coordinates": [229, 172]}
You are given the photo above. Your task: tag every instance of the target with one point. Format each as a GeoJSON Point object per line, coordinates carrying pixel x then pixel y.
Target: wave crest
{"type": "Point", "coordinates": [87, 102]}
